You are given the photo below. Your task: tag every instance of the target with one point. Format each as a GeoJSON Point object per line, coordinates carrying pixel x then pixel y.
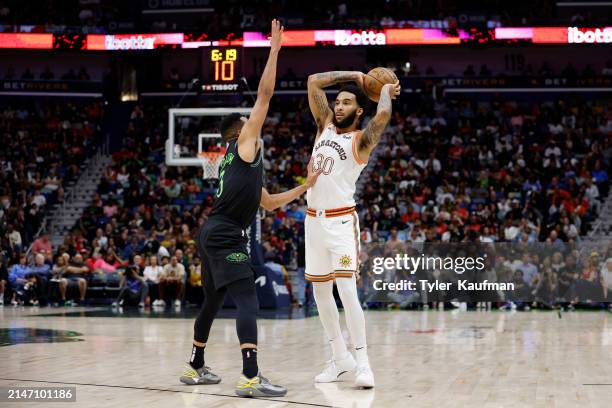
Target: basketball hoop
{"type": "Point", "coordinates": [210, 163]}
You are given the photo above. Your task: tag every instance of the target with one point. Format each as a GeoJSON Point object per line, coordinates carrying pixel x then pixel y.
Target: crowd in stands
{"type": "Point", "coordinates": [447, 170]}
{"type": "Point", "coordinates": [504, 170]}
{"type": "Point", "coordinates": [44, 145]}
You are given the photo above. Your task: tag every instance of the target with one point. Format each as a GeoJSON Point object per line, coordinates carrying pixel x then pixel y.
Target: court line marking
{"type": "Point", "coordinates": [167, 390]}
{"type": "Point", "coordinates": [596, 384]}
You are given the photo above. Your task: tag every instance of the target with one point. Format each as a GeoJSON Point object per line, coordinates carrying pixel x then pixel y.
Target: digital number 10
{"type": "Point", "coordinates": [224, 70]}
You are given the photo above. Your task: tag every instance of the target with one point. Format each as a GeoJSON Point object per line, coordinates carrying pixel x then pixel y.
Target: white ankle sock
{"type": "Point", "coordinates": [361, 355]}
{"type": "Point", "coordinates": [338, 348]}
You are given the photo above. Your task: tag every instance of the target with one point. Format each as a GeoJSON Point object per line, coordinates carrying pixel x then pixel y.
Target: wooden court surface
{"type": "Point", "coordinates": [420, 359]}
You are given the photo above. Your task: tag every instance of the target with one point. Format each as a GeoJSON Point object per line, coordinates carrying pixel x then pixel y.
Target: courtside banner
{"type": "Point", "coordinates": [556, 35]}
{"type": "Point", "coordinates": [515, 273]}
{"type": "Point", "coordinates": [26, 40]}
{"type": "Point", "coordinates": [312, 38]}
{"type": "Point", "coordinates": [346, 38]}
{"type": "Point", "coordinates": [126, 42]}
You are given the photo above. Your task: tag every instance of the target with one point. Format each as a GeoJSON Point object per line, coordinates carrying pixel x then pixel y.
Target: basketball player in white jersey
{"type": "Point", "coordinates": [341, 151]}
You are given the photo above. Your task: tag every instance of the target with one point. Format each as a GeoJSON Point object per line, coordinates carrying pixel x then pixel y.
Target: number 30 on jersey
{"type": "Point", "coordinates": [322, 162]}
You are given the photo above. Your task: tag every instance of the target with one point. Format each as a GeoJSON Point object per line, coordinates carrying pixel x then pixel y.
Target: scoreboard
{"type": "Point", "coordinates": [224, 62]}
{"type": "Point", "coordinates": [222, 69]}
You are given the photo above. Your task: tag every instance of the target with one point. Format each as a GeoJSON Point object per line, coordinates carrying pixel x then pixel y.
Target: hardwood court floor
{"type": "Point", "coordinates": [420, 359]}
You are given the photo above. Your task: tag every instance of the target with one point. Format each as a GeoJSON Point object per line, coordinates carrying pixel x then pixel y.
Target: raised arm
{"type": "Point", "coordinates": [248, 141]}
{"type": "Point", "coordinates": [273, 201]}
{"type": "Point", "coordinates": [370, 136]}
{"type": "Point", "coordinates": [319, 106]}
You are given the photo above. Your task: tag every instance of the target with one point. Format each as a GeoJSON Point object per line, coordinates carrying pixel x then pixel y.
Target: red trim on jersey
{"type": "Point", "coordinates": [355, 153]}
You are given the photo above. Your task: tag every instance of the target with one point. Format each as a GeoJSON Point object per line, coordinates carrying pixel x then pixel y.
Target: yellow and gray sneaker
{"type": "Point", "coordinates": [258, 386]}
{"type": "Point", "coordinates": [200, 376]}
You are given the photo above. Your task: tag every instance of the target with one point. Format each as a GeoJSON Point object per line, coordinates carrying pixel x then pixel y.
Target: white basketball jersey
{"type": "Point", "coordinates": [336, 154]}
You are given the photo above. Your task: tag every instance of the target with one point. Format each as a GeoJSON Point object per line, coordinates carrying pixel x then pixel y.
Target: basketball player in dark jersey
{"type": "Point", "coordinates": [222, 241]}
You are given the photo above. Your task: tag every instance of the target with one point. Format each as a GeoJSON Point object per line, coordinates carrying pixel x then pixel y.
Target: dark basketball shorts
{"type": "Point", "coordinates": [222, 246]}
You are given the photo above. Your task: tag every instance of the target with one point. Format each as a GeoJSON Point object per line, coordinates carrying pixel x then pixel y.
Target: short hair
{"type": "Point", "coordinates": [360, 96]}
{"type": "Point", "coordinates": [229, 125]}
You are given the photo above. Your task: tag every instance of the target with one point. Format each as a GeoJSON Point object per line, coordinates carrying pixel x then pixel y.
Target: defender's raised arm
{"type": "Point", "coordinates": [248, 141]}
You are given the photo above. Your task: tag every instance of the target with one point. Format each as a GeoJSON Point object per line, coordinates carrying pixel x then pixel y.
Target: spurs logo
{"type": "Point", "coordinates": [345, 261]}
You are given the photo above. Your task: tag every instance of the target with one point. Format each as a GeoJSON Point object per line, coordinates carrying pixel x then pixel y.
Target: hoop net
{"type": "Point", "coordinates": [210, 163]}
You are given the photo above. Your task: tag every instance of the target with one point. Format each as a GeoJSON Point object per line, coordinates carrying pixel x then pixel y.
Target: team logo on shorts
{"type": "Point", "coordinates": [237, 257]}
{"type": "Point", "coordinates": [345, 261]}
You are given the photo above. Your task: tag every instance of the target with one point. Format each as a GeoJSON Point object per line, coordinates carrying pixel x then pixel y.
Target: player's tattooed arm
{"type": "Point", "coordinates": [325, 79]}
{"type": "Point", "coordinates": [319, 106]}
{"type": "Point", "coordinates": [370, 136]}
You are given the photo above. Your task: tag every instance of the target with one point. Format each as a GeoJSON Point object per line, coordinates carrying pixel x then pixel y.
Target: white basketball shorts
{"type": "Point", "coordinates": [332, 244]}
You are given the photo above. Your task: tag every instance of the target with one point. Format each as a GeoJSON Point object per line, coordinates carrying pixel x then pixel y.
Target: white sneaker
{"type": "Point", "coordinates": [161, 303]}
{"type": "Point", "coordinates": [177, 303]}
{"type": "Point", "coordinates": [364, 377]}
{"type": "Point", "coordinates": [335, 368]}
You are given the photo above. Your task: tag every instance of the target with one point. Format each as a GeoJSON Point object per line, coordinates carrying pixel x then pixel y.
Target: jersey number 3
{"type": "Point", "coordinates": [220, 189]}
{"type": "Point", "coordinates": [322, 162]}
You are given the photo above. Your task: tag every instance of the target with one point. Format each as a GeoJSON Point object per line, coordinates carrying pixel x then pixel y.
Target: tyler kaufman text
{"type": "Point", "coordinates": [424, 285]}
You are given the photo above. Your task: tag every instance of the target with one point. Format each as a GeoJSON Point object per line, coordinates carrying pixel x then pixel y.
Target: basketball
{"type": "Point", "coordinates": [374, 81]}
